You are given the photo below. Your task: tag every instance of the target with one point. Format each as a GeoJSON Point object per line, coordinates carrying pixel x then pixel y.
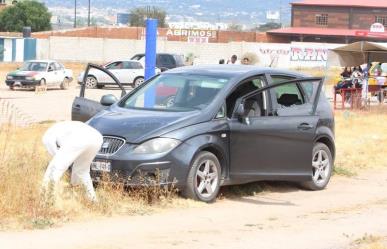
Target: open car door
{"type": "Point", "coordinates": [83, 108]}
{"type": "Point", "coordinates": [278, 141]}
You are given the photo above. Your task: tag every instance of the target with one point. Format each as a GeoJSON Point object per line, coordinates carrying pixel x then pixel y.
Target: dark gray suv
{"type": "Point", "coordinates": [226, 124]}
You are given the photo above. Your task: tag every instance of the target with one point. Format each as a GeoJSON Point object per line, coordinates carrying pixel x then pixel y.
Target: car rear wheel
{"type": "Point", "coordinates": [91, 82]}
{"type": "Point", "coordinates": [138, 81]}
{"type": "Point", "coordinates": [65, 84]}
{"type": "Point", "coordinates": [203, 180]}
{"type": "Point", "coordinates": [322, 165]}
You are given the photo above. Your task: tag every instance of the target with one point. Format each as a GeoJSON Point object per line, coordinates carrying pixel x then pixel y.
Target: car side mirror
{"type": "Point", "coordinates": [108, 100]}
{"type": "Point", "coordinates": [50, 69]}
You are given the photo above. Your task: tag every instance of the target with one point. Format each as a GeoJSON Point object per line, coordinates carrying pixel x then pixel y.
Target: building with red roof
{"type": "Point", "coordinates": [335, 21]}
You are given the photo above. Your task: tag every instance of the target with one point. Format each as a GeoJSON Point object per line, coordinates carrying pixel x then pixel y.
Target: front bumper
{"type": "Point", "coordinates": [139, 170]}
{"type": "Point", "coordinates": [22, 83]}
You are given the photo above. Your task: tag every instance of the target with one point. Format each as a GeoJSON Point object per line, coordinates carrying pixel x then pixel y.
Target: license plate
{"type": "Point", "coordinates": [104, 166]}
{"type": "Point", "coordinates": [17, 83]}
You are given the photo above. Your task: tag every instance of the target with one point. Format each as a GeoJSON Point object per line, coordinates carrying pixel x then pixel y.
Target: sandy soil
{"type": "Point", "coordinates": [55, 104]}
{"type": "Point", "coordinates": [282, 218]}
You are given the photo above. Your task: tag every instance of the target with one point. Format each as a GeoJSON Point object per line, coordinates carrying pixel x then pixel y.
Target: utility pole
{"type": "Point", "coordinates": [75, 13]}
{"type": "Point", "coordinates": [88, 15]}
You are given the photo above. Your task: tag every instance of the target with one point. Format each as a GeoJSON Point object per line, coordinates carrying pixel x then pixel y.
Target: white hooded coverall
{"type": "Point", "coordinates": [72, 142]}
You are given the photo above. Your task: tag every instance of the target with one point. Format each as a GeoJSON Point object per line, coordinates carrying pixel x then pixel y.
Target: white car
{"type": "Point", "coordinates": [128, 72]}
{"type": "Point", "coordinates": [40, 72]}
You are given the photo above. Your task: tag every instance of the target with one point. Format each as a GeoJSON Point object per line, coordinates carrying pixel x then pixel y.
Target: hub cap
{"type": "Point", "coordinates": [138, 82]}
{"type": "Point", "coordinates": [91, 82]}
{"type": "Point", "coordinates": [321, 167]}
{"type": "Point", "coordinates": [206, 179]}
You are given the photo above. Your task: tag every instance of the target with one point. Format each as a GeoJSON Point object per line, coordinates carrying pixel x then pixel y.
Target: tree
{"type": "Point", "coordinates": [26, 13]}
{"type": "Point", "coordinates": [269, 26]}
{"type": "Point", "coordinates": [234, 27]}
{"type": "Point", "coordinates": [138, 16]}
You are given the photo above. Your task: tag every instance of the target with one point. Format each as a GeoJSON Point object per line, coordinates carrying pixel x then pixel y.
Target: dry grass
{"type": "Point", "coordinates": [24, 161]}
{"type": "Point", "coordinates": [370, 242]}
{"type": "Point", "coordinates": [361, 140]}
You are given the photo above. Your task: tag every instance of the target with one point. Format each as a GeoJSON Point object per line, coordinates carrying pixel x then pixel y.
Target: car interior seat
{"type": "Point", "coordinates": [288, 99]}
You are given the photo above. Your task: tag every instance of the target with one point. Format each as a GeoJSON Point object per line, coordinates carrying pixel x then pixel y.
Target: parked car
{"type": "Point", "coordinates": [227, 124]}
{"type": "Point", "coordinates": [40, 72]}
{"type": "Point", "coordinates": [128, 72]}
{"type": "Point", "coordinates": [164, 61]}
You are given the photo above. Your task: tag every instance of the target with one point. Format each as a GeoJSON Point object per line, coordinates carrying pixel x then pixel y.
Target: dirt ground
{"type": "Point", "coordinates": [285, 217]}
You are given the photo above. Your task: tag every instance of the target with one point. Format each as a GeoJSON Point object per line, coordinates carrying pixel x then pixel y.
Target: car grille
{"type": "Point", "coordinates": [19, 77]}
{"type": "Point", "coordinates": [111, 145]}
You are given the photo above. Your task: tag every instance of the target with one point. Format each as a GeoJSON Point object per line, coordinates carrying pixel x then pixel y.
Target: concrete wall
{"type": "Point", "coordinates": [101, 50]}
{"type": "Point", "coordinates": [17, 49]}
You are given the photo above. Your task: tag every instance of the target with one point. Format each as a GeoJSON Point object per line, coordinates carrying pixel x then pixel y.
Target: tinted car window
{"type": "Point", "coordinates": [51, 67]}
{"type": "Point", "coordinates": [296, 98]}
{"type": "Point", "coordinates": [190, 92]}
{"type": "Point", "coordinates": [242, 90]}
{"type": "Point", "coordinates": [132, 65]}
{"type": "Point", "coordinates": [58, 66]}
{"type": "Point", "coordinates": [34, 66]}
{"type": "Point", "coordinates": [115, 65]}
{"type": "Point", "coordinates": [288, 95]}
{"type": "Point", "coordinates": [167, 60]}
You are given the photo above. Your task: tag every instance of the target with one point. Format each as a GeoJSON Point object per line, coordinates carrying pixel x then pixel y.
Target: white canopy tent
{"type": "Point", "coordinates": [357, 54]}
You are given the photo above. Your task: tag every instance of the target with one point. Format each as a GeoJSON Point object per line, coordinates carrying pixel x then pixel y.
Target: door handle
{"type": "Point", "coordinates": [305, 126]}
{"type": "Point", "coordinates": [77, 107]}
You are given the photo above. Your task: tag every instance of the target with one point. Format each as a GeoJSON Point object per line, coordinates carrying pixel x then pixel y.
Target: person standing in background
{"type": "Point", "coordinates": [233, 60]}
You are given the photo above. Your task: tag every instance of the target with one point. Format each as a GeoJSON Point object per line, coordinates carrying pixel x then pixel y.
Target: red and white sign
{"type": "Point", "coordinates": [377, 28]}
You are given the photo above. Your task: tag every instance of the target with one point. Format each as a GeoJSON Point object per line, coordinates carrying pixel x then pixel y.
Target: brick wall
{"type": "Point", "coordinates": [306, 17]}
{"type": "Point", "coordinates": [138, 33]}
{"type": "Point", "coordinates": [338, 17]}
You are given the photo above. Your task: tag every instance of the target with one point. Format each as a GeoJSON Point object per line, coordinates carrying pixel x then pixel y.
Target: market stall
{"type": "Point", "coordinates": [360, 53]}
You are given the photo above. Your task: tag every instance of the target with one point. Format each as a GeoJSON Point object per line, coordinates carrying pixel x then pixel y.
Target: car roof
{"type": "Point", "coordinates": [46, 61]}
{"type": "Point", "coordinates": [233, 71]}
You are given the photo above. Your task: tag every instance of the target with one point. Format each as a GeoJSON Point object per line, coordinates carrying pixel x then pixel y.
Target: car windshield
{"type": "Point", "coordinates": [176, 92]}
{"type": "Point", "coordinates": [34, 66]}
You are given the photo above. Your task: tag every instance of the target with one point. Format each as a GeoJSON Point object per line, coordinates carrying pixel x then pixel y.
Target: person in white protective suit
{"type": "Point", "coordinates": [71, 142]}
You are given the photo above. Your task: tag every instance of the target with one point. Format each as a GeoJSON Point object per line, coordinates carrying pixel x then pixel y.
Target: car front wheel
{"type": "Point", "coordinates": [203, 180]}
{"type": "Point", "coordinates": [322, 165]}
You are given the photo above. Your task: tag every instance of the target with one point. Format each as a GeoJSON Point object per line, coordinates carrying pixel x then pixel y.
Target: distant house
{"type": "Point", "coordinates": [5, 3]}
{"type": "Point", "coordinates": [335, 21]}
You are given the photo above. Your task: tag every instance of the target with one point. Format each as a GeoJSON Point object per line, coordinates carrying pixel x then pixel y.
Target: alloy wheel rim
{"type": "Point", "coordinates": [321, 167]}
{"type": "Point", "coordinates": [170, 101]}
{"type": "Point", "coordinates": [206, 179]}
{"type": "Point", "coordinates": [139, 82]}
{"type": "Point", "coordinates": [90, 82]}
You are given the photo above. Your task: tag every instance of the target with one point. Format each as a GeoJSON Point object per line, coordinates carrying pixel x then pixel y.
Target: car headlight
{"type": "Point", "coordinates": [157, 145]}
{"type": "Point", "coordinates": [30, 78]}
{"type": "Point", "coordinates": [9, 77]}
